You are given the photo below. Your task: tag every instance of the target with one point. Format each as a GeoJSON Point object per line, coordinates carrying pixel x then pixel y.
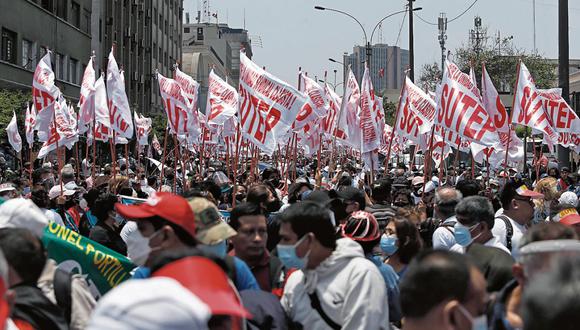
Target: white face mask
{"type": "Point", "coordinates": [477, 323]}
{"type": "Point", "coordinates": [138, 248]}
{"type": "Point", "coordinates": [83, 204]}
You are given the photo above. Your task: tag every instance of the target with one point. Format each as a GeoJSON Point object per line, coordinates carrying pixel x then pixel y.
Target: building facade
{"type": "Point", "coordinates": [387, 65]}
{"type": "Point", "coordinates": [29, 27]}
{"type": "Point", "coordinates": [217, 46]}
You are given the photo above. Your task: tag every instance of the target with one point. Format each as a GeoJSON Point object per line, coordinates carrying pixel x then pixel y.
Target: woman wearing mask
{"type": "Point", "coordinates": [106, 230]}
{"type": "Point", "coordinates": [400, 243]}
{"type": "Point", "coordinates": [548, 187]}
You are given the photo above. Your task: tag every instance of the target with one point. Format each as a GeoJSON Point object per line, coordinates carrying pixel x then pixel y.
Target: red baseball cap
{"type": "Point", "coordinates": [207, 281]}
{"type": "Point", "coordinates": [569, 217]}
{"type": "Point", "coordinates": [168, 206]}
{"type": "Point", "coordinates": [523, 190]}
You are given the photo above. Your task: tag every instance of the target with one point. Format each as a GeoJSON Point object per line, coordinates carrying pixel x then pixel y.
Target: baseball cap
{"type": "Point", "coordinates": [524, 191]}
{"type": "Point", "coordinates": [22, 213]}
{"type": "Point", "coordinates": [54, 192]}
{"type": "Point", "coordinates": [568, 217]}
{"type": "Point", "coordinates": [168, 206]}
{"type": "Point", "coordinates": [150, 304]}
{"type": "Point", "coordinates": [351, 194]}
{"type": "Point", "coordinates": [207, 281]}
{"type": "Point", "coordinates": [417, 180]}
{"type": "Point", "coordinates": [6, 187]}
{"type": "Point", "coordinates": [568, 197]}
{"type": "Point", "coordinates": [211, 228]}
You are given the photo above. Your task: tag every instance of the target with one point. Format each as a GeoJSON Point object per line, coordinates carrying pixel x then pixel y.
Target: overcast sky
{"type": "Point", "coordinates": [294, 34]}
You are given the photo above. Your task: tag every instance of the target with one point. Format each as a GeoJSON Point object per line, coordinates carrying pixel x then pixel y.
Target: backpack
{"type": "Point", "coordinates": [509, 231]}
{"type": "Point", "coordinates": [428, 228]}
{"type": "Point", "coordinates": [62, 286]}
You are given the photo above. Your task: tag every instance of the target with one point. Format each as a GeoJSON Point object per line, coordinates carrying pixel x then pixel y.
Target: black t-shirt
{"type": "Point", "coordinates": [494, 263]}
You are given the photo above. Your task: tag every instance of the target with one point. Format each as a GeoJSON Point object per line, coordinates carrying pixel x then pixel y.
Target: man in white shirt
{"type": "Point", "coordinates": [518, 211]}
{"type": "Point", "coordinates": [446, 199]}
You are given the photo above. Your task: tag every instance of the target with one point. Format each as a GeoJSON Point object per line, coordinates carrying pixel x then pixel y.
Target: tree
{"type": "Point", "coordinates": [390, 109]}
{"type": "Point", "coordinates": [430, 76]}
{"type": "Point", "coordinates": [13, 100]}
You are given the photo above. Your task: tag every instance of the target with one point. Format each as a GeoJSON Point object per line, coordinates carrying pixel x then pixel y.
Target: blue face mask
{"type": "Point", "coordinates": [220, 249]}
{"type": "Point", "coordinates": [287, 254]}
{"type": "Point", "coordinates": [389, 244]}
{"type": "Point", "coordinates": [463, 234]}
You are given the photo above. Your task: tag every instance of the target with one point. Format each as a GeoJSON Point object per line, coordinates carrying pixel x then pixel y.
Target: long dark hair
{"type": "Point", "coordinates": [410, 242]}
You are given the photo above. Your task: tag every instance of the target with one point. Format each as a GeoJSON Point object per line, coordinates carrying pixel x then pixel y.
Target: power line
{"type": "Point", "coordinates": [454, 18]}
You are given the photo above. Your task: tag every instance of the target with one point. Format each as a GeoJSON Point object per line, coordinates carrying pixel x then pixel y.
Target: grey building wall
{"type": "Point", "coordinates": [29, 27]}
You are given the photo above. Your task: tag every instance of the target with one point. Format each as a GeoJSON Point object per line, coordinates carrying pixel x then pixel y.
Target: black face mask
{"type": "Point", "coordinates": [273, 206]}
{"type": "Point", "coordinates": [400, 204]}
{"type": "Point", "coordinates": [240, 197]}
{"type": "Point", "coordinates": [339, 210]}
{"type": "Point", "coordinates": [69, 203]}
{"type": "Point", "coordinates": [275, 182]}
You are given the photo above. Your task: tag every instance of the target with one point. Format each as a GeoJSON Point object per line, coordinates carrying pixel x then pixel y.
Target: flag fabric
{"type": "Point", "coordinates": [29, 123]}
{"type": "Point", "coordinates": [87, 98]}
{"type": "Point", "coordinates": [460, 108]}
{"type": "Point", "coordinates": [316, 106]}
{"type": "Point", "coordinates": [190, 89]}
{"type": "Point", "coordinates": [529, 109]}
{"type": "Point", "coordinates": [381, 72]}
{"type": "Point", "coordinates": [350, 108]}
{"type": "Point", "coordinates": [330, 120]}
{"type": "Point", "coordinates": [44, 94]}
{"type": "Point", "coordinates": [369, 123]}
{"type": "Point", "coordinates": [13, 135]}
{"type": "Point", "coordinates": [493, 104]}
{"type": "Point", "coordinates": [222, 100]}
{"type": "Point", "coordinates": [119, 111]}
{"type": "Point", "coordinates": [155, 144]}
{"type": "Point", "coordinates": [564, 118]}
{"type": "Point", "coordinates": [142, 128]}
{"type": "Point", "coordinates": [101, 103]}
{"type": "Point", "coordinates": [268, 105]}
{"type": "Point", "coordinates": [176, 105]}
{"type": "Point", "coordinates": [63, 130]}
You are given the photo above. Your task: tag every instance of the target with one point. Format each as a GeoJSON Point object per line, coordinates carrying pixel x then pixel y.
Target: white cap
{"type": "Point", "coordinates": [568, 197]}
{"type": "Point", "coordinates": [22, 213]}
{"type": "Point", "coordinates": [152, 304]}
{"type": "Point", "coordinates": [54, 192]}
{"type": "Point", "coordinates": [6, 187]}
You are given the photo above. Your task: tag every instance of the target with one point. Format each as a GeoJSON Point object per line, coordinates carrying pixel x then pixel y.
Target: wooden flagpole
{"type": "Point", "coordinates": [164, 155]}
{"type": "Point", "coordinates": [387, 159]}
{"type": "Point", "coordinates": [427, 165]}
{"type": "Point", "coordinates": [176, 153]}
{"type": "Point", "coordinates": [235, 166]}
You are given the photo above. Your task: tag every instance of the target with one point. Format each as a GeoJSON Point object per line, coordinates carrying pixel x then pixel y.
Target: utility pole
{"type": "Point", "coordinates": [477, 36]}
{"type": "Point", "coordinates": [563, 69]}
{"type": "Point", "coordinates": [411, 50]}
{"type": "Point", "coordinates": [442, 23]}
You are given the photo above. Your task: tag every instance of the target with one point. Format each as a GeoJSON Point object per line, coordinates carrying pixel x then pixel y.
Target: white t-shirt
{"type": "Point", "coordinates": [443, 237]}
{"type": "Point", "coordinates": [493, 242]}
{"type": "Point", "coordinates": [499, 230]}
{"type": "Point", "coordinates": [53, 216]}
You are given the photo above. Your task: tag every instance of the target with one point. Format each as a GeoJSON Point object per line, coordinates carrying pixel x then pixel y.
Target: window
{"type": "Point", "coordinates": [199, 33]}
{"type": "Point", "coordinates": [61, 9]}
{"type": "Point", "coordinates": [27, 56]}
{"type": "Point", "coordinates": [72, 71]}
{"type": "Point", "coordinates": [160, 55]}
{"type": "Point", "coordinates": [186, 30]}
{"type": "Point", "coordinates": [48, 5]}
{"type": "Point", "coordinates": [87, 21]}
{"type": "Point", "coordinates": [8, 46]}
{"type": "Point", "coordinates": [160, 22]}
{"type": "Point", "coordinates": [155, 15]}
{"type": "Point", "coordinates": [154, 52]}
{"type": "Point", "coordinates": [75, 14]}
{"type": "Point", "coordinates": [59, 61]}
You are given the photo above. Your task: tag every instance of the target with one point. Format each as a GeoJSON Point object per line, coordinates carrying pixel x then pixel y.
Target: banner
{"type": "Point", "coordinates": [268, 105]}
{"type": "Point", "coordinates": [63, 131]}
{"type": "Point", "coordinates": [330, 120]}
{"type": "Point", "coordinates": [102, 267]}
{"type": "Point", "coordinates": [12, 132]}
{"type": "Point", "coordinates": [350, 110]}
{"type": "Point", "coordinates": [316, 106]}
{"type": "Point", "coordinates": [222, 100]}
{"type": "Point", "coordinates": [492, 103]}
{"type": "Point", "coordinates": [369, 116]}
{"type": "Point", "coordinates": [190, 89]}
{"type": "Point", "coordinates": [460, 109]}
{"type": "Point", "coordinates": [143, 128]}
{"type": "Point", "coordinates": [29, 123]}
{"type": "Point", "coordinates": [564, 118]}
{"type": "Point", "coordinates": [529, 107]}
{"type": "Point", "coordinates": [44, 94]}
{"type": "Point", "coordinates": [119, 111]}
{"type": "Point", "coordinates": [87, 98]}
{"type": "Point", "coordinates": [407, 122]}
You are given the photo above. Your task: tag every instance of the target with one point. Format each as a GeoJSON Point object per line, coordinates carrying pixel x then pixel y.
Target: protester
{"type": "Point", "coordinates": [353, 199]}
{"type": "Point", "coordinates": [328, 268]}
{"type": "Point", "coordinates": [443, 290]}
{"type": "Point", "coordinates": [381, 202]}
{"type": "Point", "coordinates": [400, 243]}
{"type": "Point", "coordinates": [249, 221]}
{"type": "Point", "coordinates": [107, 229]}
{"type": "Point", "coordinates": [446, 199]}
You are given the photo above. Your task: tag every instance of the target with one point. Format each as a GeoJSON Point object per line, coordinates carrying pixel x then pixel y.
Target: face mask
{"type": "Point", "coordinates": [275, 182]}
{"type": "Point", "coordinates": [463, 234]}
{"type": "Point", "coordinates": [273, 206]}
{"type": "Point", "coordinates": [400, 204]}
{"type": "Point", "coordinates": [83, 204]}
{"type": "Point", "coordinates": [389, 244]}
{"type": "Point", "coordinates": [287, 254]}
{"type": "Point", "coordinates": [138, 248]}
{"type": "Point", "coordinates": [220, 249]}
{"type": "Point", "coordinates": [477, 323]}
{"type": "Point", "coordinates": [119, 219]}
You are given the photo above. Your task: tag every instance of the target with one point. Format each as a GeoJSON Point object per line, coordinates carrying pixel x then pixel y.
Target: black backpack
{"type": "Point", "coordinates": [62, 286]}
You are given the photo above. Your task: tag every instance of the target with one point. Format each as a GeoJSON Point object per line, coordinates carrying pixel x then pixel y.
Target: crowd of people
{"type": "Point", "coordinates": [318, 248]}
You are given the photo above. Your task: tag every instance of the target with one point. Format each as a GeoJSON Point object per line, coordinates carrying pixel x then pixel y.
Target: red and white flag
{"type": "Point", "coordinates": [563, 117]}
{"type": "Point", "coordinates": [190, 89]}
{"type": "Point", "coordinates": [493, 104]}
{"type": "Point", "coordinates": [155, 144]}
{"type": "Point", "coordinates": [87, 98]}
{"type": "Point", "coordinates": [460, 108]}
{"type": "Point", "coordinates": [143, 127]}
{"type": "Point", "coordinates": [29, 124]}
{"type": "Point", "coordinates": [222, 100]}
{"type": "Point", "coordinates": [330, 120]}
{"type": "Point", "coordinates": [176, 105]}
{"type": "Point", "coordinates": [350, 107]}
{"type": "Point", "coordinates": [407, 123]}
{"type": "Point", "coordinates": [119, 111]}
{"type": "Point", "coordinates": [101, 103]}
{"type": "Point", "coordinates": [13, 135]}
{"type": "Point", "coordinates": [268, 105]}
{"type": "Point", "coordinates": [369, 116]}
{"type": "Point", "coordinates": [63, 131]}
{"type": "Point", "coordinates": [44, 94]}
{"type": "Point", "coordinates": [422, 105]}
{"type": "Point", "coordinates": [316, 106]}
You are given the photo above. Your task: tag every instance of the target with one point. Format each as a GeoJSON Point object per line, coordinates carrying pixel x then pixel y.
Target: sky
{"type": "Point", "coordinates": [293, 34]}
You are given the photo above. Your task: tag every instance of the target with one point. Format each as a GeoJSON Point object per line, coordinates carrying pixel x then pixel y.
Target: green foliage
{"type": "Point", "coordinates": [521, 131]}
{"type": "Point", "coordinates": [430, 76]}
{"type": "Point", "coordinates": [390, 109]}
{"type": "Point", "coordinates": [13, 100]}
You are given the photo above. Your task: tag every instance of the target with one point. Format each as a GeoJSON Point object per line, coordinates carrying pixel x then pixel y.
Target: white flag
{"type": "Point", "coordinates": [87, 98]}
{"type": "Point", "coordinates": [143, 127]}
{"type": "Point", "coordinates": [29, 124]}
{"type": "Point", "coordinates": [369, 120]}
{"type": "Point", "coordinates": [222, 100]}
{"type": "Point", "coordinates": [13, 136]}
{"type": "Point", "coordinates": [62, 133]}
{"type": "Point", "coordinates": [176, 105]}
{"type": "Point", "coordinates": [44, 94]}
{"type": "Point", "coordinates": [119, 111]}
{"type": "Point", "coordinates": [351, 112]}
